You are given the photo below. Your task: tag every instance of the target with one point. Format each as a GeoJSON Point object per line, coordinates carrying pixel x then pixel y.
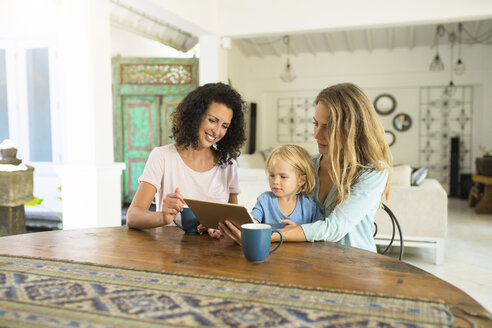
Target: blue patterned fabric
{"type": "Point", "coordinates": [63, 294]}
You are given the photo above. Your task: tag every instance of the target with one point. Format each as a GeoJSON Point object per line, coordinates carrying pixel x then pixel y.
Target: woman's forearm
{"type": "Point", "coordinates": [290, 234]}
{"type": "Point", "coordinates": [139, 218]}
{"type": "Point", "coordinates": [233, 198]}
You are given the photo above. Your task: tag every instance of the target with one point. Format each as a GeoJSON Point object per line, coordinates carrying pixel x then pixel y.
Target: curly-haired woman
{"type": "Point", "coordinates": [208, 128]}
{"type": "Point", "coordinates": [353, 166]}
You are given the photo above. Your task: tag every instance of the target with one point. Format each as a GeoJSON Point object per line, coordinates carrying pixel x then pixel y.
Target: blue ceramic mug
{"type": "Point", "coordinates": [255, 241]}
{"type": "Point", "coordinates": [189, 223]}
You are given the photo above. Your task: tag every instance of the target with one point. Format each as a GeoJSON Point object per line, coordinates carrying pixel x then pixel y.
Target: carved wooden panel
{"type": "Point", "coordinates": [147, 73]}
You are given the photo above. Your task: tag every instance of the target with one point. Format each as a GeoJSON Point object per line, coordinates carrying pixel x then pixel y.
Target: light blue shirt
{"type": "Point", "coordinates": [267, 210]}
{"type": "Point", "coordinates": [351, 222]}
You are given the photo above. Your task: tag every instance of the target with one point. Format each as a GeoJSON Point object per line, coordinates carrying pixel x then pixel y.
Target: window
{"type": "Point", "coordinates": [38, 105]}
{"type": "Point", "coordinates": [4, 114]}
{"type": "Point", "coordinates": [26, 102]}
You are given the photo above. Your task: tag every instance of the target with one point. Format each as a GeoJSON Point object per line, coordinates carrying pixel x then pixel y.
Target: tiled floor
{"type": "Point", "coordinates": [468, 255]}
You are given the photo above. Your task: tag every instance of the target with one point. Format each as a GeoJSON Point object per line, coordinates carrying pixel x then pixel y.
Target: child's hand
{"type": "Point", "coordinates": [214, 233]}
{"type": "Point", "coordinates": [289, 223]}
{"type": "Point", "coordinates": [201, 229]}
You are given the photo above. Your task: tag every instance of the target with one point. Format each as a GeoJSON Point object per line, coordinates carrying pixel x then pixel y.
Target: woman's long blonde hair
{"type": "Point", "coordinates": [356, 138]}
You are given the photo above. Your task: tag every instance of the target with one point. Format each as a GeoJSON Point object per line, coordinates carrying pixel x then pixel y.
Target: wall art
{"type": "Point", "coordinates": [390, 137]}
{"type": "Point", "coordinates": [385, 104]}
{"type": "Point", "coordinates": [442, 118]}
{"type": "Point", "coordinates": [402, 122]}
{"type": "Point", "coordinates": [295, 119]}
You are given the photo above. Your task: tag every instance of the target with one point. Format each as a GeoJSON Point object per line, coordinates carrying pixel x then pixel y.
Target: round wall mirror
{"type": "Point", "coordinates": [385, 104]}
{"type": "Point", "coordinates": [390, 137]}
{"type": "Point", "coordinates": [402, 122]}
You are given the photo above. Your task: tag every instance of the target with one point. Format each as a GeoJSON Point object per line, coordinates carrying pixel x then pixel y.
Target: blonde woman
{"type": "Point", "coordinates": [291, 178]}
{"type": "Point", "coordinates": [352, 166]}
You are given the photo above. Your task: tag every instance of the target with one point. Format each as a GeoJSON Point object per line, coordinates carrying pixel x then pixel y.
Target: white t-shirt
{"type": "Point", "coordinates": [166, 170]}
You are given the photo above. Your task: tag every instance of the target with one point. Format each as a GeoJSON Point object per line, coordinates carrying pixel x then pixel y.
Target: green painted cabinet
{"type": "Point", "coordinates": [145, 92]}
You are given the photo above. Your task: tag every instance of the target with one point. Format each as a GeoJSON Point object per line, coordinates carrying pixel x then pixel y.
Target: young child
{"type": "Point", "coordinates": [291, 177]}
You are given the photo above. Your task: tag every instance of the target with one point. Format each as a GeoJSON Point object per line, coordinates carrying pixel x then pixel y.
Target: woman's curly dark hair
{"type": "Point", "coordinates": [186, 119]}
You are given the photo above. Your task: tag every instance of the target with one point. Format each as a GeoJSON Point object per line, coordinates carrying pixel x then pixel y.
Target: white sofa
{"type": "Point", "coordinates": [252, 178]}
{"type": "Point", "coordinates": [420, 210]}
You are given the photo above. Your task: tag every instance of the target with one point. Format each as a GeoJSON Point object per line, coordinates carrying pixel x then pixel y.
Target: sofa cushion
{"type": "Point", "coordinates": [421, 211]}
{"type": "Point", "coordinates": [252, 182]}
{"type": "Point", "coordinates": [251, 174]}
{"type": "Point", "coordinates": [401, 175]}
{"type": "Point", "coordinates": [251, 161]}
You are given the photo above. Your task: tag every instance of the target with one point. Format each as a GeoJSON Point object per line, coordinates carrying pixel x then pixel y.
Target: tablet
{"type": "Point", "coordinates": [211, 213]}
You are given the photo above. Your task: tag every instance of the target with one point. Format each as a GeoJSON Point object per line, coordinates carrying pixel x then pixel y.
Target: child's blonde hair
{"type": "Point", "coordinates": [300, 159]}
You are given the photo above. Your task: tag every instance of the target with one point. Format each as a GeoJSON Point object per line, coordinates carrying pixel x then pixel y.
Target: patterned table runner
{"type": "Point", "coordinates": [65, 294]}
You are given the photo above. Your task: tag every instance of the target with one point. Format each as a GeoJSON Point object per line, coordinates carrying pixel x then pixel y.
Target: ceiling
{"type": "Point", "coordinates": [152, 27]}
{"type": "Point", "coordinates": [367, 39]}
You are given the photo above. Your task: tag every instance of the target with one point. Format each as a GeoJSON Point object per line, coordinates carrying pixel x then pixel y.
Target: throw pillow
{"type": "Point", "coordinates": [266, 152]}
{"type": "Point", "coordinates": [418, 175]}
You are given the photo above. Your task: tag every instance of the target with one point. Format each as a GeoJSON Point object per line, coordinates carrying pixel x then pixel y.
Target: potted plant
{"type": "Point", "coordinates": [484, 163]}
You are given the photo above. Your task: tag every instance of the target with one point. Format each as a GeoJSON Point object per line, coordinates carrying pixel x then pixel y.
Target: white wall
{"type": "Point", "coordinates": [400, 72]}
{"type": "Point", "coordinates": [28, 18]}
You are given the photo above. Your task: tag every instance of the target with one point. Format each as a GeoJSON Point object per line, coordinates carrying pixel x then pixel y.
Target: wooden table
{"type": "Point", "coordinates": [320, 264]}
{"type": "Point", "coordinates": [484, 204]}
